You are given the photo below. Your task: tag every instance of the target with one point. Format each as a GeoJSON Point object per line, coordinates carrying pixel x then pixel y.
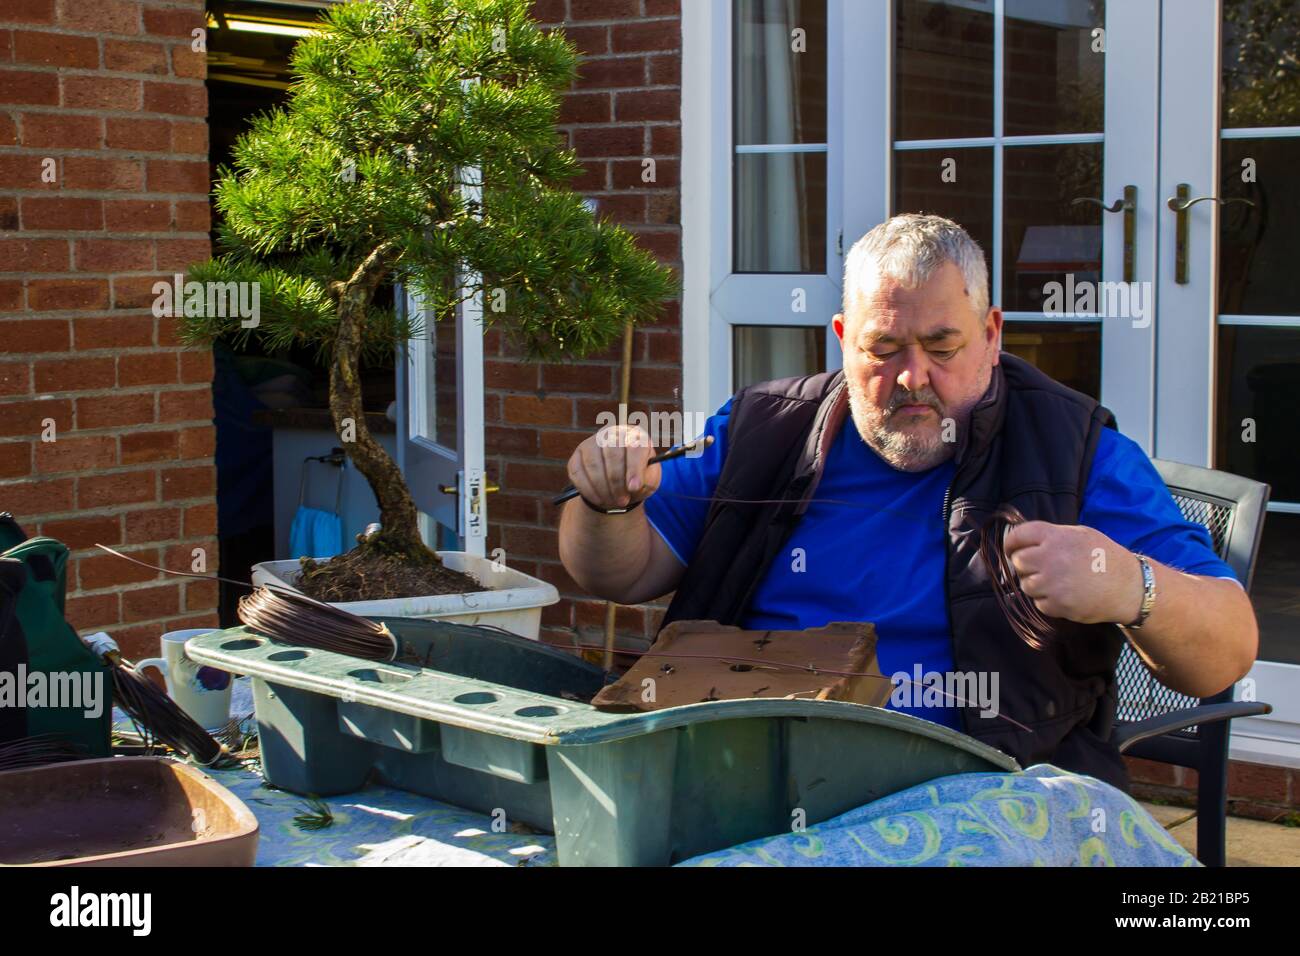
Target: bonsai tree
{"type": "Point", "coordinates": [358, 183]}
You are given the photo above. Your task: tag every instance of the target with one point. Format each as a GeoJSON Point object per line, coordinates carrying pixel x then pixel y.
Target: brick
{"type": "Point", "coordinates": [100, 16]}
{"type": "Point", "coordinates": [100, 570]}
{"type": "Point", "coordinates": [15, 459]}
{"type": "Point", "coordinates": [511, 441]}
{"type": "Point", "coordinates": [190, 138]}
{"type": "Point", "coordinates": [601, 72]}
{"type": "Point", "coordinates": [608, 141]}
{"type": "Point", "coordinates": [177, 176]}
{"type": "Point", "coordinates": [92, 612]}
{"type": "Point", "coordinates": [15, 378]}
{"type": "Point", "coordinates": [578, 378]}
{"type": "Point", "coordinates": [508, 507]}
{"type": "Point", "coordinates": [604, 9]}
{"type": "Point", "coordinates": [114, 411]}
{"type": "Point", "coordinates": [135, 57]}
{"type": "Point", "coordinates": [143, 604]}
{"type": "Point", "coordinates": [1149, 771]}
{"type": "Point", "coordinates": [137, 134]}
{"type": "Point", "coordinates": [189, 63]}
{"type": "Point", "coordinates": [110, 332]}
{"type": "Point", "coordinates": [82, 215]}
{"type": "Point", "coordinates": [664, 208]}
{"type": "Point", "coordinates": [114, 255]}
{"type": "Point", "coordinates": [196, 367]}
{"type": "Point", "coordinates": [663, 8]}
{"type": "Point", "coordinates": [76, 454]}
{"type": "Point", "coordinates": [8, 214]}
{"type": "Point", "coordinates": [662, 243]}
{"type": "Point", "coordinates": [29, 87]}
{"type": "Point", "coordinates": [585, 108]}
{"type": "Point", "coordinates": [8, 128]}
{"type": "Point", "coordinates": [665, 141]}
{"type": "Point", "coordinates": [192, 215]}
{"type": "Point", "coordinates": [61, 130]}
{"type": "Point", "coordinates": [559, 445]}
{"type": "Point", "coordinates": [139, 447]}
{"type": "Point", "coordinates": [637, 105]}
{"type": "Point", "coordinates": [627, 208]}
{"type": "Point", "coordinates": [175, 99]}
{"type": "Point", "coordinates": [185, 406]}
{"type": "Point", "coordinates": [199, 482]}
{"type": "Point", "coordinates": [589, 40]}
{"type": "Point", "coordinates": [511, 375]}
{"type": "Point", "coordinates": [79, 374]}
{"type": "Point", "coordinates": [34, 255]}
{"type": "Point", "coordinates": [547, 11]}
{"type": "Point", "coordinates": [55, 49]}
{"type": "Point", "coordinates": [179, 254]}
{"type": "Point", "coordinates": [11, 297]}
{"type": "Point", "coordinates": [535, 476]}
{"type": "Point", "coordinates": [197, 442]}
{"type": "Point", "coordinates": [50, 295]}
{"type": "Point", "coordinates": [200, 520]}
{"type": "Point", "coordinates": [592, 614]}
{"type": "Point", "coordinates": [27, 499]}
{"type": "Point", "coordinates": [531, 542]}
{"type": "Point", "coordinates": [663, 347]}
{"type": "Point", "coordinates": [94, 173]}
{"type": "Point", "coordinates": [1257, 782]}
{"type": "Point", "coordinates": [629, 174]}
{"type": "Point", "coordinates": [666, 70]}
{"type": "Point", "coordinates": [23, 336]}
{"type": "Point", "coordinates": [150, 368]}
{"type": "Point", "coordinates": [27, 11]}
{"type": "Point", "coordinates": [152, 524]}
{"type": "Point", "coordinates": [30, 418]}
{"type": "Point", "coordinates": [652, 35]}
{"type": "Point", "coordinates": [201, 595]}
{"type": "Point", "coordinates": [120, 488]}
{"type": "Point", "coordinates": [137, 215]}
{"type": "Point", "coordinates": [136, 292]}
{"type": "Point", "coordinates": [530, 410]}
{"type": "Point", "coordinates": [100, 92]}
{"type": "Point", "coordinates": [594, 177]}
{"type": "Point", "coordinates": [180, 557]}
{"type": "Point", "coordinates": [85, 531]}
{"type": "Point", "coordinates": [172, 23]}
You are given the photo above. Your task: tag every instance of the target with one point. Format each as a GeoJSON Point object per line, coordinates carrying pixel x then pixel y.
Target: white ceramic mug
{"type": "Point", "coordinates": [202, 692]}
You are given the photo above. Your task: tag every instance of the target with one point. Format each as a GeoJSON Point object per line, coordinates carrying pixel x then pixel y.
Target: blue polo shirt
{"type": "Point", "coordinates": [880, 557]}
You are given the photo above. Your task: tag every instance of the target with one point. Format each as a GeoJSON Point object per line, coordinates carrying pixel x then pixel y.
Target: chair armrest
{"type": "Point", "coordinates": [1125, 735]}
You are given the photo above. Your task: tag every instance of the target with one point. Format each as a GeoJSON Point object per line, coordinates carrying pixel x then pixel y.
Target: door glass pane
{"type": "Point", "coordinates": [943, 81]}
{"type": "Point", "coordinates": [780, 213]}
{"type": "Point", "coordinates": [780, 71]}
{"type": "Point", "coordinates": [1069, 352]}
{"type": "Point", "coordinates": [1259, 406]}
{"type": "Point", "coordinates": [1257, 245]}
{"type": "Point", "coordinates": [765, 352]}
{"type": "Point", "coordinates": [1045, 236]}
{"type": "Point", "coordinates": [435, 411]}
{"type": "Point", "coordinates": [954, 183]}
{"type": "Point", "coordinates": [1261, 63]}
{"type": "Point", "coordinates": [1055, 67]}
{"type": "Point", "coordinates": [779, 83]}
{"type": "Point", "coordinates": [1274, 594]}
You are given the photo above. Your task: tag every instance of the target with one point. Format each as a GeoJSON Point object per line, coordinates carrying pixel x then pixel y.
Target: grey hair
{"type": "Point", "coordinates": [910, 248]}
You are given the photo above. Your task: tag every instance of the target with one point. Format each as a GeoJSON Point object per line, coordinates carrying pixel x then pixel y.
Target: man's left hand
{"type": "Point", "coordinates": [1075, 572]}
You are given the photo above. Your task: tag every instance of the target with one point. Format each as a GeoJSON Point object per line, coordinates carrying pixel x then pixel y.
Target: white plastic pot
{"type": "Point", "coordinates": [513, 603]}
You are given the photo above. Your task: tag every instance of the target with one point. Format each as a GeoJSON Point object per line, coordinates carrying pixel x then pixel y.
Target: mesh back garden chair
{"type": "Point", "coordinates": [1156, 723]}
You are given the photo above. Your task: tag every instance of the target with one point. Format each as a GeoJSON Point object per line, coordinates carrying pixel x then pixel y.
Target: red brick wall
{"type": "Point", "coordinates": [109, 95]}
{"type": "Point", "coordinates": [624, 109]}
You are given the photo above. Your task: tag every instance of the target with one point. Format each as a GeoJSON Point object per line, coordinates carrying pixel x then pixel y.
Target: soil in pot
{"type": "Point", "coordinates": [364, 574]}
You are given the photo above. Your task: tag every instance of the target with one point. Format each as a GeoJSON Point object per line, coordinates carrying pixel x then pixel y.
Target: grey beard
{"type": "Point", "coordinates": [901, 450]}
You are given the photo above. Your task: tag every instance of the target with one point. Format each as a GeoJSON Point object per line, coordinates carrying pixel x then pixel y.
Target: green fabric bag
{"type": "Point", "coordinates": [42, 660]}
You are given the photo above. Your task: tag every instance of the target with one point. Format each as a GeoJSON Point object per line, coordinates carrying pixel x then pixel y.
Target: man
{"type": "Point", "coordinates": [790, 520]}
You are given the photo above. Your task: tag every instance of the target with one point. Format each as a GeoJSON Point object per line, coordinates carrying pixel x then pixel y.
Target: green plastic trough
{"type": "Point", "coordinates": [494, 722]}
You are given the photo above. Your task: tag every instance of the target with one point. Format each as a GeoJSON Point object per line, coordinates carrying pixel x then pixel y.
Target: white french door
{"type": "Point", "coordinates": [1056, 132]}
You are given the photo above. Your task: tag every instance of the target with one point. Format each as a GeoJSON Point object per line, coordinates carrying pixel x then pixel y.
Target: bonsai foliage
{"type": "Point", "coordinates": [359, 182]}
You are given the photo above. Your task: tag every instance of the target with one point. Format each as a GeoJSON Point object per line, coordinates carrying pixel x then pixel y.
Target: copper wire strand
{"type": "Point", "coordinates": [1028, 622]}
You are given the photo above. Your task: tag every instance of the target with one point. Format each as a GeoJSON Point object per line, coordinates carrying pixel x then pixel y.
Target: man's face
{"type": "Point", "coordinates": [915, 362]}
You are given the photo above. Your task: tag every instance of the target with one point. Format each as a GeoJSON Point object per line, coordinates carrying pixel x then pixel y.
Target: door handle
{"type": "Point", "coordinates": [1180, 204]}
{"type": "Point", "coordinates": [1128, 205]}
{"type": "Point", "coordinates": [453, 490]}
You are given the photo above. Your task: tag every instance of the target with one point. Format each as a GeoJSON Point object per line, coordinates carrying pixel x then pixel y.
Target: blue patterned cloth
{"type": "Point", "coordinates": [1042, 816]}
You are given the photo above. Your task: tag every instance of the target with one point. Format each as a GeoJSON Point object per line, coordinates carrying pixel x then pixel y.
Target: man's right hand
{"type": "Point", "coordinates": [611, 468]}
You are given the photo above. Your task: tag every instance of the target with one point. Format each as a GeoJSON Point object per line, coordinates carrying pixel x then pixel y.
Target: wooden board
{"type": "Point", "coordinates": [694, 661]}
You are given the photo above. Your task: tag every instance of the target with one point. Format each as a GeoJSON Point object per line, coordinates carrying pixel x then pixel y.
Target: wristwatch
{"type": "Point", "coordinates": [611, 511]}
{"type": "Point", "coordinates": [1148, 593]}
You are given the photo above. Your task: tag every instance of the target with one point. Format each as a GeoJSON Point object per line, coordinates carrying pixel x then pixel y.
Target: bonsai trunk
{"type": "Point", "coordinates": [400, 534]}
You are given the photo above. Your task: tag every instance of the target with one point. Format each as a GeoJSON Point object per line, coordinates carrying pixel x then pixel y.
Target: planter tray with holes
{"type": "Point", "coordinates": [493, 722]}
